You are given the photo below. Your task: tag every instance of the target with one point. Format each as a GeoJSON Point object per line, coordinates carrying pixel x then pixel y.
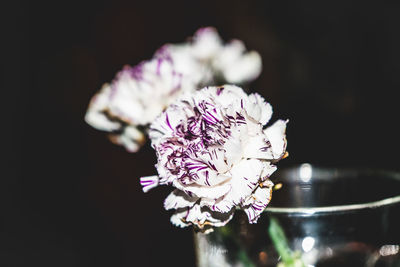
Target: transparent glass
{"type": "Point", "coordinates": [331, 217]}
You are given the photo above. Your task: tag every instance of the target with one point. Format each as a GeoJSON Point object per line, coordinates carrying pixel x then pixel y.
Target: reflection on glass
{"type": "Point", "coordinates": [305, 172]}
{"type": "Point", "coordinates": [308, 243]}
{"type": "Point", "coordinates": [333, 217]}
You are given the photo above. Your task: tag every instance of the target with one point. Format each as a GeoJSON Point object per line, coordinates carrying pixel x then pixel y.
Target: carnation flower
{"type": "Point", "coordinates": [134, 99]}
{"type": "Point", "coordinates": [137, 95]}
{"type": "Point", "coordinates": [213, 147]}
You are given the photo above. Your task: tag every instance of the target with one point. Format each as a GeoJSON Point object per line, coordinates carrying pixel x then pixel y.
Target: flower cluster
{"type": "Point", "coordinates": [213, 147]}
{"type": "Point", "coordinates": [139, 94]}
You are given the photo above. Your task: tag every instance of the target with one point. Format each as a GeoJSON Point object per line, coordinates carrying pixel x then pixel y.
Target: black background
{"type": "Point", "coordinates": [71, 198]}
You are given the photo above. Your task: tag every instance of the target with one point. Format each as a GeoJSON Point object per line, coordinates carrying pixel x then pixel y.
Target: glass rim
{"type": "Point", "coordinates": [306, 211]}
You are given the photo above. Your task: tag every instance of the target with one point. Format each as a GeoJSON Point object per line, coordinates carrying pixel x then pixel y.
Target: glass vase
{"type": "Point", "coordinates": [329, 217]}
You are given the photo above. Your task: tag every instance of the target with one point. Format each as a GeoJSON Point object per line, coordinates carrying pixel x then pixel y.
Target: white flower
{"type": "Point", "coordinates": [134, 99]}
{"type": "Point", "coordinates": [237, 65]}
{"type": "Point", "coordinates": [231, 61]}
{"type": "Point", "coordinates": [212, 146]}
{"type": "Point", "coordinates": [139, 94]}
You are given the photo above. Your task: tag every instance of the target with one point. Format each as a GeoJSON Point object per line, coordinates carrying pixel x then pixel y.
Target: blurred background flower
{"type": "Point", "coordinates": [138, 94]}
{"type": "Point", "coordinates": [71, 198]}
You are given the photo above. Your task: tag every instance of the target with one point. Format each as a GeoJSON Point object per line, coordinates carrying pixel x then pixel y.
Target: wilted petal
{"type": "Point", "coordinates": [130, 137]}
{"type": "Point", "coordinates": [134, 134]}
{"type": "Point", "coordinates": [129, 144]}
{"type": "Point", "coordinates": [259, 201]}
{"type": "Point", "coordinates": [277, 138]}
{"type": "Point", "coordinates": [203, 218]}
{"type": "Point", "coordinates": [216, 218]}
{"type": "Point", "coordinates": [196, 216]}
{"type": "Point", "coordinates": [267, 171]}
{"type": "Point", "coordinates": [179, 199]}
{"type": "Point", "coordinates": [179, 218]}
{"type": "Point", "coordinates": [189, 216]}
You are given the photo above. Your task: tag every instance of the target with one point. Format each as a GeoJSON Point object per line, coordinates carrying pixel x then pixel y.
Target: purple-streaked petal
{"type": "Point", "coordinates": [257, 147]}
{"type": "Point", "coordinates": [259, 201]}
{"type": "Point", "coordinates": [245, 178]}
{"type": "Point", "coordinates": [267, 171]}
{"type": "Point", "coordinates": [148, 182]}
{"type": "Point", "coordinates": [211, 147]}
{"type": "Point", "coordinates": [179, 199]}
{"type": "Point", "coordinates": [201, 217]}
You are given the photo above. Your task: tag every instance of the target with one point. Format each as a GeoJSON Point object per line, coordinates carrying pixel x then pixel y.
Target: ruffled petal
{"type": "Point", "coordinates": [277, 138]}
{"type": "Point", "coordinates": [245, 177]}
{"type": "Point", "coordinates": [257, 202]}
{"type": "Point", "coordinates": [258, 109]}
{"type": "Point", "coordinates": [214, 159]}
{"type": "Point", "coordinates": [201, 217]}
{"type": "Point", "coordinates": [267, 171]}
{"type": "Point", "coordinates": [204, 173]}
{"type": "Point", "coordinates": [257, 147]}
{"type": "Point", "coordinates": [179, 218]}
{"type": "Point", "coordinates": [229, 96]}
{"type": "Point", "coordinates": [166, 124]}
{"type": "Point", "coordinates": [204, 191]}
{"type": "Point", "coordinates": [179, 199]}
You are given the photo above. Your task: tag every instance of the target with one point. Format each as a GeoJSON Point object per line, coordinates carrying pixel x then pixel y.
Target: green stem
{"type": "Point", "coordinates": [279, 240]}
